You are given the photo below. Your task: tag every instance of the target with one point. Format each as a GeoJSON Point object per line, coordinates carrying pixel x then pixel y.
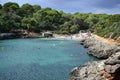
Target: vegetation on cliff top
{"type": "Point", "coordinates": [34, 18]}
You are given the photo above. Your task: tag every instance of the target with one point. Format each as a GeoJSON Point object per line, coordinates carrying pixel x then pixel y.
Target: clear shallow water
{"type": "Point", "coordinates": [40, 59]}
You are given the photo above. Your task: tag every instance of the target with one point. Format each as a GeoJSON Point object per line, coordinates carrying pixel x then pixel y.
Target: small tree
{"type": "Point", "coordinates": [74, 29]}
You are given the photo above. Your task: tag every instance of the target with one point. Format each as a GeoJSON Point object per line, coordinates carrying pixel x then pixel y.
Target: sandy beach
{"type": "Point", "coordinates": [72, 37]}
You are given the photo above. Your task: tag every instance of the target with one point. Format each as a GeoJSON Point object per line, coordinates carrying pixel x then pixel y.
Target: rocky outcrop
{"type": "Point", "coordinates": [99, 49]}
{"type": "Point", "coordinates": [7, 36]}
{"type": "Point", "coordinates": [98, 70]}
{"type": "Point", "coordinates": [19, 35]}
{"type": "Point", "coordinates": [108, 69]}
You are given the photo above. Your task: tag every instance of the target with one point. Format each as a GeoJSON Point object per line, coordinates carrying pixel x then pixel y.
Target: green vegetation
{"type": "Point", "coordinates": [34, 18]}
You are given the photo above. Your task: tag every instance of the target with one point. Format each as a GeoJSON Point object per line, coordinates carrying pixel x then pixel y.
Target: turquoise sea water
{"type": "Point", "coordinates": [40, 59]}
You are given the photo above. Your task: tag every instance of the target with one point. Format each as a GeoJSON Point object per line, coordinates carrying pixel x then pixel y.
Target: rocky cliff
{"type": "Point", "coordinates": [107, 69]}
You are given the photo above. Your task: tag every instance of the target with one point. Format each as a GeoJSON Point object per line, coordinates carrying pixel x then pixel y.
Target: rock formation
{"type": "Point", "coordinates": [7, 36]}
{"type": "Point", "coordinates": [107, 69]}
{"type": "Point", "coordinates": [99, 49]}
{"type": "Point", "coordinates": [19, 34]}
{"type": "Point", "coordinates": [98, 70]}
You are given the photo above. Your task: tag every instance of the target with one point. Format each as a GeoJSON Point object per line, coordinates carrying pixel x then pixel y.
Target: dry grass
{"type": "Point", "coordinates": [106, 40]}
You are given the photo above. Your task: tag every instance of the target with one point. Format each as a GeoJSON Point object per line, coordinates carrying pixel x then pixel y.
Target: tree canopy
{"type": "Point", "coordinates": [35, 18]}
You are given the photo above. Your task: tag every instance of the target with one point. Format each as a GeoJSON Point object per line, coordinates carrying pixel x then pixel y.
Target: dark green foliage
{"type": "Point", "coordinates": [36, 8]}
{"type": "Point", "coordinates": [0, 6]}
{"type": "Point", "coordinates": [26, 10]}
{"type": "Point", "coordinates": [74, 29]}
{"type": "Point", "coordinates": [35, 18]}
{"type": "Point", "coordinates": [10, 7]}
{"type": "Point", "coordinates": [9, 18]}
{"type": "Point", "coordinates": [47, 19]}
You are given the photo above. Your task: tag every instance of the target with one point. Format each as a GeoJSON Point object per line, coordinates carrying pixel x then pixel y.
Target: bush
{"type": "Point", "coordinates": [74, 29]}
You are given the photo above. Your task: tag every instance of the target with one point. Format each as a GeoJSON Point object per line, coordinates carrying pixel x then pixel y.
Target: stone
{"type": "Point", "coordinates": [99, 49]}
{"type": "Point", "coordinates": [89, 71]}
{"type": "Point", "coordinates": [107, 69]}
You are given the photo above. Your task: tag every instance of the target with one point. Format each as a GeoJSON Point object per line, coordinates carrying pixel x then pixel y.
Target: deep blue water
{"type": "Point", "coordinates": [40, 59]}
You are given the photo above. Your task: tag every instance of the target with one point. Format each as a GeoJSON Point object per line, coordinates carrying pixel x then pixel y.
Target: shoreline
{"type": "Point", "coordinates": [106, 69]}
{"type": "Point", "coordinates": [5, 36]}
{"type": "Point", "coordinates": [78, 36]}
{"type": "Point", "coordinates": [99, 47]}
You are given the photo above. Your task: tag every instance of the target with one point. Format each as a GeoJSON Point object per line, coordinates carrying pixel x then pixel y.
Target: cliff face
{"type": "Point", "coordinates": [108, 69]}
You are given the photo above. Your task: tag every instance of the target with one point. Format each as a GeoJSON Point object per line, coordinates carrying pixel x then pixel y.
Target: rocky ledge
{"type": "Point", "coordinates": [98, 70]}
{"type": "Point", "coordinates": [100, 49]}
{"type": "Point", "coordinates": [107, 69]}
{"type": "Point", "coordinates": [4, 36]}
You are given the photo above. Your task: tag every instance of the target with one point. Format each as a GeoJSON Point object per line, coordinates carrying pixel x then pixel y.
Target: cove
{"type": "Point", "coordinates": [40, 59]}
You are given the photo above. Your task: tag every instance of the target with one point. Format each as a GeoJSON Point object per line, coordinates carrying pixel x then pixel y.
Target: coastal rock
{"type": "Point", "coordinates": [99, 49]}
{"type": "Point", "coordinates": [90, 71]}
{"type": "Point", "coordinates": [7, 36]}
{"type": "Point", "coordinates": [82, 42]}
{"type": "Point", "coordinates": [112, 64]}
{"type": "Point", "coordinates": [18, 34]}
{"type": "Point", "coordinates": [98, 70]}
{"type": "Point", "coordinates": [108, 69]}
{"type": "Point", "coordinates": [114, 59]}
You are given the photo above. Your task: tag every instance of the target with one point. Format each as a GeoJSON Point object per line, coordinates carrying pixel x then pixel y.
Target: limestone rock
{"type": "Point", "coordinates": [98, 70]}
{"type": "Point", "coordinates": [99, 49]}
{"type": "Point", "coordinates": [89, 71]}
